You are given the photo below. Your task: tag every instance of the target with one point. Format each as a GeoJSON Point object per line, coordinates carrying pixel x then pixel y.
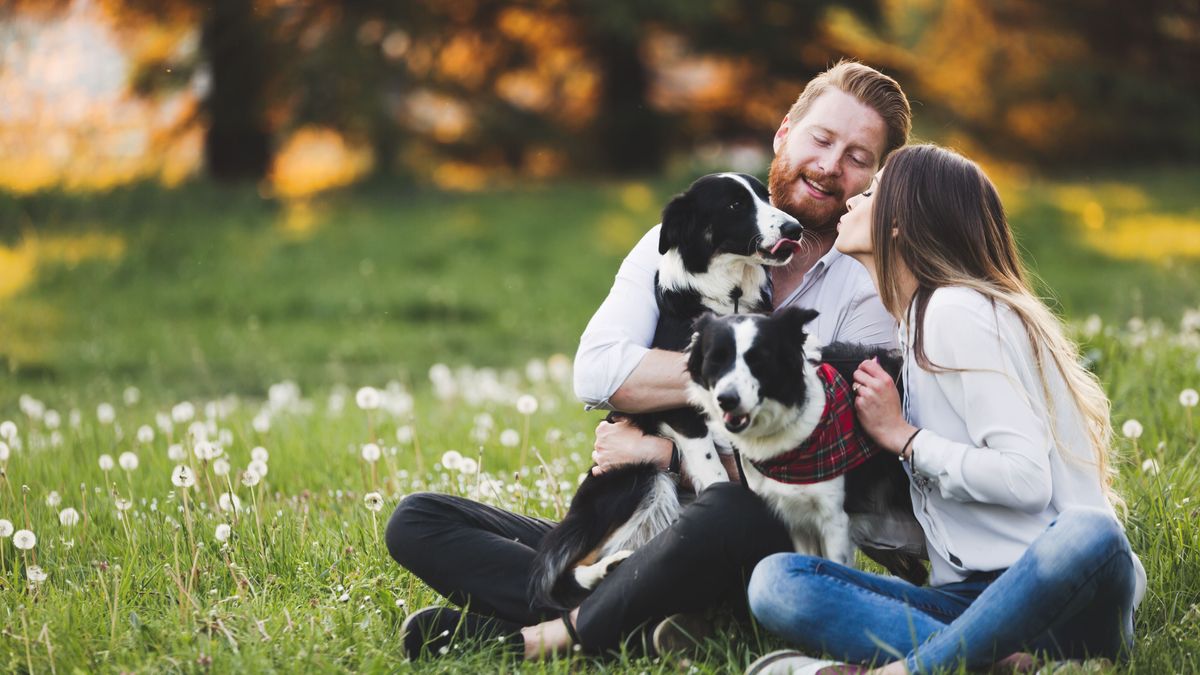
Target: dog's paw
{"type": "Point", "coordinates": [588, 576]}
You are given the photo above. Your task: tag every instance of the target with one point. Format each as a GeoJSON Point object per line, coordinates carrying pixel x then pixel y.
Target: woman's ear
{"type": "Point", "coordinates": [895, 232]}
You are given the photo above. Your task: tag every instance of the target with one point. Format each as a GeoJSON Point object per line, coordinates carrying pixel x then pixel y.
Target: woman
{"type": "Point", "coordinates": [1006, 439]}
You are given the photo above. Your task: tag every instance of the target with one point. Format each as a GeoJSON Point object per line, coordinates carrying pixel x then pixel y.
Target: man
{"type": "Point", "coordinates": [829, 145]}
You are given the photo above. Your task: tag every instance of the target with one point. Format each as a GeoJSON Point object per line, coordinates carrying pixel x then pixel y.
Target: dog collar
{"type": "Point", "coordinates": [835, 446]}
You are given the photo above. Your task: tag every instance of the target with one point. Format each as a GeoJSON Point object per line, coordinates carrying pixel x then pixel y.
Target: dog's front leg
{"type": "Point", "coordinates": [700, 461]}
{"type": "Point", "coordinates": [835, 539]}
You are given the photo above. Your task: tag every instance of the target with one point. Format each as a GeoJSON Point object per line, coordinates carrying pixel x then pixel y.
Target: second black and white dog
{"type": "Point", "coordinates": [716, 240]}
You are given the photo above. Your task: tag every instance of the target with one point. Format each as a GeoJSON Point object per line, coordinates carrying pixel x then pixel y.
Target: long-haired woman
{"type": "Point", "coordinates": [1006, 439]}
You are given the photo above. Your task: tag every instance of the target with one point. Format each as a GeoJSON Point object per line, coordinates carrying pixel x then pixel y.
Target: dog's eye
{"type": "Point", "coordinates": [735, 205]}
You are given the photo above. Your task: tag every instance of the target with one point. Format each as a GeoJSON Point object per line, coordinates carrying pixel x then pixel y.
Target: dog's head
{"type": "Point", "coordinates": [752, 373]}
{"type": "Point", "coordinates": [727, 213]}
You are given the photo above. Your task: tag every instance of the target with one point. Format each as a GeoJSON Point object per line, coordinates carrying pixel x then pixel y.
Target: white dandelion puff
{"type": "Point", "coordinates": [105, 413]}
{"type": "Point", "coordinates": [131, 395]}
{"type": "Point", "coordinates": [468, 466]}
{"type": "Point", "coordinates": [510, 438]}
{"type": "Point", "coordinates": [258, 467]}
{"type": "Point", "coordinates": [8, 430]}
{"type": "Point", "coordinates": [527, 404]}
{"type": "Point", "coordinates": [53, 499]}
{"type": "Point", "coordinates": [221, 466]}
{"type": "Point", "coordinates": [250, 477]}
{"type": "Point", "coordinates": [404, 434]}
{"type": "Point", "coordinates": [128, 461]}
{"type": "Point", "coordinates": [1132, 429]}
{"type": "Point", "coordinates": [52, 419]}
{"type": "Point", "coordinates": [368, 398]}
{"type": "Point", "coordinates": [176, 453]}
{"type": "Point", "coordinates": [145, 434]}
{"type": "Point", "coordinates": [106, 463]}
{"type": "Point", "coordinates": [451, 459]}
{"type": "Point", "coordinates": [123, 504]}
{"type": "Point", "coordinates": [261, 423]}
{"type": "Point", "coordinates": [198, 432]}
{"type": "Point", "coordinates": [36, 574]}
{"type": "Point", "coordinates": [373, 502]}
{"type": "Point", "coordinates": [1150, 466]}
{"type": "Point", "coordinates": [259, 454]}
{"type": "Point", "coordinates": [182, 476]}
{"type": "Point", "coordinates": [229, 502]}
{"type": "Point", "coordinates": [222, 533]}
{"type": "Point", "coordinates": [1188, 398]}
{"type": "Point", "coordinates": [6, 528]}
{"type": "Point", "coordinates": [164, 423]}
{"type": "Point", "coordinates": [68, 517]}
{"type": "Point", "coordinates": [5, 452]}
{"type": "Point", "coordinates": [371, 452]}
{"type": "Point", "coordinates": [183, 412]}
{"type": "Point", "coordinates": [24, 540]}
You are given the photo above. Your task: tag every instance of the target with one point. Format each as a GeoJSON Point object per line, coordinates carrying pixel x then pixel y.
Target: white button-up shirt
{"type": "Point", "coordinates": [998, 474]}
{"type": "Point", "coordinates": [622, 329]}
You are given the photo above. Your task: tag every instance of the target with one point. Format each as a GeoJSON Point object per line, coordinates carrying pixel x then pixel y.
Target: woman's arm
{"type": "Point", "coordinates": [1006, 461]}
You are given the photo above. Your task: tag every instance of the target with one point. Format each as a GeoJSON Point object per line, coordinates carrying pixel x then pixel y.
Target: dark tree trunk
{"type": "Point", "coordinates": [237, 145]}
{"type": "Point", "coordinates": [629, 133]}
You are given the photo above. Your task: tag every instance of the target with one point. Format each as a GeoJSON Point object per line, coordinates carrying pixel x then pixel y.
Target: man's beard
{"type": "Point", "coordinates": [817, 217]}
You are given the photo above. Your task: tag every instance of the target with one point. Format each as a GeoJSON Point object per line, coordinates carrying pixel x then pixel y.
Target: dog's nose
{"type": "Point", "coordinates": [791, 230]}
{"type": "Point", "coordinates": [728, 400]}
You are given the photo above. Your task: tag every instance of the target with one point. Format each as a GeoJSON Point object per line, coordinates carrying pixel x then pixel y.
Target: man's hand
{"type": "Point", "coordinates": [620, 443]}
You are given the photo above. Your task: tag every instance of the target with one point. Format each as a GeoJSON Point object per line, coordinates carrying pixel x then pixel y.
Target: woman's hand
{"type": "Point", "coordinates": [878, 406]}
{"type": "Point", "coordinates": [622, 443]}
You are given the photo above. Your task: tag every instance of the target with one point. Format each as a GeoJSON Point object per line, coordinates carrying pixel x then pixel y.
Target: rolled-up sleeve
{"type": "Point", "coordinates": [621, 331]}
{"type": "Point", "coordinates": [1007, 461]}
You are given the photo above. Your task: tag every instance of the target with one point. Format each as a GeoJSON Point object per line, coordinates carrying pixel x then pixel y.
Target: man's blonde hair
{"type": "Point", "coordinates": [871, 88]}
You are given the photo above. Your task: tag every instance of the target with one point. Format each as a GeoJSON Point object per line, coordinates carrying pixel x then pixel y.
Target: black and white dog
{"type": "Point", "coordinates": [716, 240]}
{"type": "Point", "coordinates": [787, 407]}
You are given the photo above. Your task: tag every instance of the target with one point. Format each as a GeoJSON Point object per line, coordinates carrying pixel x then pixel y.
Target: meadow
{"type": "Point", "coordinates": [309, 363]}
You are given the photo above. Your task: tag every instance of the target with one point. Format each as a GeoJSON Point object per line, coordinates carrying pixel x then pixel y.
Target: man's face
{"type": "Point", "coordinates": [825, 157]}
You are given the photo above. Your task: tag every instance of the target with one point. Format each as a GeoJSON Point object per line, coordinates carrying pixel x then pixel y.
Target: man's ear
{"type": "Point", "coordinates": [678, 223]}
{"type": "Point", "coordinates": [781, 134]}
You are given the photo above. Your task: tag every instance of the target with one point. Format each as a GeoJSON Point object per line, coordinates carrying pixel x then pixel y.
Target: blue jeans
{"type": "Point", "coordinates": [1070, 596]}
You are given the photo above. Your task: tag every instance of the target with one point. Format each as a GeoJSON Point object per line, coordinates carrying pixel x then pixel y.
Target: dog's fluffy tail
{"type": "Point", "coordinates": [620, 509]}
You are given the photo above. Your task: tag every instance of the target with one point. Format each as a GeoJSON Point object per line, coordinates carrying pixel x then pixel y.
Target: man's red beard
{"type": "Point", "coordinates": [817, 217]}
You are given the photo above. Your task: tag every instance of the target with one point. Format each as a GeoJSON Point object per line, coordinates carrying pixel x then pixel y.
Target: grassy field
{"type": "Point", "coordinates": [122, 311]}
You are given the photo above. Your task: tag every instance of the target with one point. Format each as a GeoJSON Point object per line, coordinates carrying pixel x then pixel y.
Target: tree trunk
{"type": "Point", "coordinates": [629, 133]}
{"type": "Point", "coordinates": [237, 144]}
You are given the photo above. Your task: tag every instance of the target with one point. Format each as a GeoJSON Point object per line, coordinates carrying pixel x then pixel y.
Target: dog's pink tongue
{"type": "Point", "coordinates": [784, 242]}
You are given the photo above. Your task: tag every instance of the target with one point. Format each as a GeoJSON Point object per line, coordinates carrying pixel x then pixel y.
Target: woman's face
{"type": "Point", "coordinates": [854, 229]}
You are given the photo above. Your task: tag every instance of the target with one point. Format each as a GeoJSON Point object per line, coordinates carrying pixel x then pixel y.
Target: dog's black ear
{"type": "Point", "coordinates": [678, 222]}
{"type": "Point", "coordinates": [794, 319]}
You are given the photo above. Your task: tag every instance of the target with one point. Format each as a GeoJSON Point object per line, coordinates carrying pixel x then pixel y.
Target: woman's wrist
{"type": "Point", "coordinates": [899, 440]}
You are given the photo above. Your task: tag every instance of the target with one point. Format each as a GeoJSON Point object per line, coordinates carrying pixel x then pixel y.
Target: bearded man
{"type": "Point", "coordinates": [829, 145]}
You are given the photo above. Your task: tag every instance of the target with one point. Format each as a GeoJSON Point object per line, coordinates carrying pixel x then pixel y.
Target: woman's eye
{"type": "Point", "coordinates": [866, 193]}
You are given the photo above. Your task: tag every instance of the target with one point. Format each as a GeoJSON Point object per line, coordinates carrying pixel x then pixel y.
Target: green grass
{"type": "Point", "coordinates": [210, 301]}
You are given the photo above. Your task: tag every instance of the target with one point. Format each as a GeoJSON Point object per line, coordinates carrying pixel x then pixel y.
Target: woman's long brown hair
{"type": "Point", "coordinates": [937, 212]}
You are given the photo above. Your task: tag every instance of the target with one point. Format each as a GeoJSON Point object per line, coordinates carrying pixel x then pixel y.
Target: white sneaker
{"type": "Point", "coordinates": [789, 662]}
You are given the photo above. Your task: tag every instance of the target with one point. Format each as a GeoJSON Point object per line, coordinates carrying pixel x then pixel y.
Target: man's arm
{"type": "Point", "coordinates": [614, 366]}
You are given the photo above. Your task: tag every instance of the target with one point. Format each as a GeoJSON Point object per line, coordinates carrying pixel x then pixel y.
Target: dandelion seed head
{"type": "Point", "coordinates": [229, 502]}
{"type": "Point", "coordinates": [106, 463]}
{"type": "Point", "coordinates": [123, 504]}
{"type": "Point", "coordinates": [261, 423]}
{"type": "Point", "coordinates": [24, 540]}
{"type": "Point", "coordinates": [198, 432]}
{"type": "Point", "coordinates": [105, 413]}
{"type": "Point", "coordinates": [468, 466]}
{"type": "Point", "coordinates": [163, 422]}
{"type": "Point", "coordinates": [8, 430]}
{"type": "Point", "coordinates": [259, 454]}
{"type": "Point", "coordinates": [145, 434]}
{"type": "Point", "coordinates": [1188, 398]}
{"type": "Point", "coordinates": [6, 528]}
{"type": "Point", "coordinates": [222, 532]}
{"type": "Point", "coordinates": [258, 467]}
{"type": "Point", "coordinates": [52, 419]}
{"type": "Point", "coordinates": [5, 451]}
{"type": "Point", "coordinates": [128, 461]}
{"type": "Point", "coordinates": [451, 459]}
{"type": "Point", "coordinates": [1132, 429]}
{"type": "Point", "coordinates": [225, 437]}
{"type": "Point", "coordinates": [371, 452]}
{"type": "Point", "coordinates": [131, 395]}
{"type": "Point", "coordinates": [182, 476]}
{"type": "Point", "coordinates": [176, 453]}
{"type": "Point", "coordinates": [373, 502]}
{"type": "Point", "coordinates": [404, 434]}
{"type": "Point", "coordinates": [36, 574]}
{"type": "Point", "coordinates": [1150, 467]}
{"type": "Point", "coordinates": [510, 438]}
{"type": "Point", "coordinates": [527, 404]}
{"type": "Point", "coordinates": [221, 466]}
{"type": "Point", "coordinates": [53, 499]}
{"type": "Point", "coordinates": [68, 517]}
{"type": "Point", "coordinates": [183, 412]}
{"type": "Point", "coordinates": [367, 398]}
{"type": "Point", "coordinates": [250, 477]}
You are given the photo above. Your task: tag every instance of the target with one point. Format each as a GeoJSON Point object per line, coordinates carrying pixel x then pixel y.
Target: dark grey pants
{"type": "Point", "coordinates": [479, 556]}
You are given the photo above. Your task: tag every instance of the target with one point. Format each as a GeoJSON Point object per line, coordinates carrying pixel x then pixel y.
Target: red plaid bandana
{"type": "Point", "coordinates": [836, 446]}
